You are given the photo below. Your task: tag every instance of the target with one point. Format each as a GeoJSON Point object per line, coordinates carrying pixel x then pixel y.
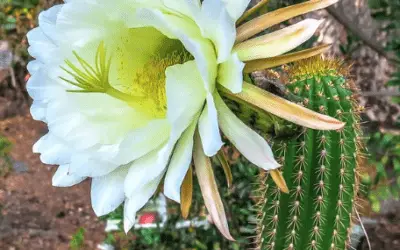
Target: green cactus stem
{"type": "Point", "coordinates": [319, 167]}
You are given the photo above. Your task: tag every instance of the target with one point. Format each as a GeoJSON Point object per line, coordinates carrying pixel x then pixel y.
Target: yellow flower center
{"type": "Point", "coordinates": [140, 78]}
{"type": "Point", "coordinates": [150, 80]}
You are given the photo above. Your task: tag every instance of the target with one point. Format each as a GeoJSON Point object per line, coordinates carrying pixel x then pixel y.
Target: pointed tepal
{"type": "Point", "coordinates": [261, 99]}
{"type": "Point", "coordinates": [209, 188]}
{"type": "Point", "coordinates": [270, 19]}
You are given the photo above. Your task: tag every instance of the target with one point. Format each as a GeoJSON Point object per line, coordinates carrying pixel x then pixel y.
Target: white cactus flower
{"type": "Point", "coordinates": [129, 90]}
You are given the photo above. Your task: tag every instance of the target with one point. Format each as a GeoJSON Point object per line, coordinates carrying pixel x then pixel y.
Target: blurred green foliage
{"type": "Point", "coordinates": [17, 17]}
{"type": "Point", "coordinates": [78, 239]}
{"type": "Point", "coordinates": [239, 202]}
{"type": "Point", "coordinates": [384, 150]}
{"type": "Point", "coordinates": [5, 160]}
{"type": "Point", "coordinates": [12, 10]}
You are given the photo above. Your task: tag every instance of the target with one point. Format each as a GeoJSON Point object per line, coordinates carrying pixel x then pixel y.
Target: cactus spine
{"type": "Point", "coordinates": [318, 166]}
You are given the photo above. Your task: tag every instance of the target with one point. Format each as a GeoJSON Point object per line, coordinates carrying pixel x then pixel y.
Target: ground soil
{"type": "Point", "coordinates": [33, 214]}
{"type": "Point", "coordinates": [385, 233]}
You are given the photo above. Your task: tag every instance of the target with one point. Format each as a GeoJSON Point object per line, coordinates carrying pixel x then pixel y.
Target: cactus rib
{"type": "Point", "coordinates": [318, 166]}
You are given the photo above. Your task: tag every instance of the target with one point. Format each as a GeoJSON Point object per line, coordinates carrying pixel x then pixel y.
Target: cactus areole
{"type": "Point", "coordinates": [319, 167]}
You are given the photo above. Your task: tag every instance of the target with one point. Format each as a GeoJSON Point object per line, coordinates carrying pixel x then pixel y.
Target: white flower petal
{"type": "Point", "coordinates": [107, 192]}
{"type": "Point", "coordinates": [138, 200]}
{"type": "Point", "coordinates": [38, 111]}
{"type": "Point", "coordinates": [47, 22]}
{"type": "Point", "coordinates": [236, 7]}
{"type": "Point", "coordinates": [209, 128]}
{"type": "Point", "coordinates": [85, 120]}
{"type": "Point", "coordinates": [93, 162]}
{"type": "Point", "coordinates": [179, 164]}
{"type": "Point", "coordinates": [53, 150]}
{"type": "Point", "coordinates": [129, 214]}
{"type": "Point", "coordinates": [62, 178]}
{"type": "Point", "coordinates": [141, 141]}
{"type": "Point", "coordinates": [190, 36]}
{"type": "Point", "coordinates": [185, 99]}
{"type": "Point", "coordinates": [82, 22]}
{"type": "Point", "coordinates": [248, 142]}
{"type": "Point", "coordinates": [230, 74]}
{"type": "Point", "coordinates": [185, 95]}
{"type": "Point", "coordinates": [188, 8]}
{"type": "Point", "coordinates": [96, 161]}
{"type": "Point", "coordinates": [69, 127]}
{"type": "Point", "coordinates": [146, 169]}
{"type": "Point", "coordinates": [41, 47]}
{"type": "Point", "coordinates": [83, 164]}
{"type": "Point", "coordinates": [34, 66]}
{"type": "Point", "coordinates": [41, 88]}
{"type": "Point", "coordinates": [217, 25]}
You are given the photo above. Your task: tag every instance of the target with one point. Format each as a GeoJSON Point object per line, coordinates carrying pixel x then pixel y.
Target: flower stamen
{"type": "Point", "coordinates": [96, 79]}
{"type": "Point", "coordinates": [89, 79]}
